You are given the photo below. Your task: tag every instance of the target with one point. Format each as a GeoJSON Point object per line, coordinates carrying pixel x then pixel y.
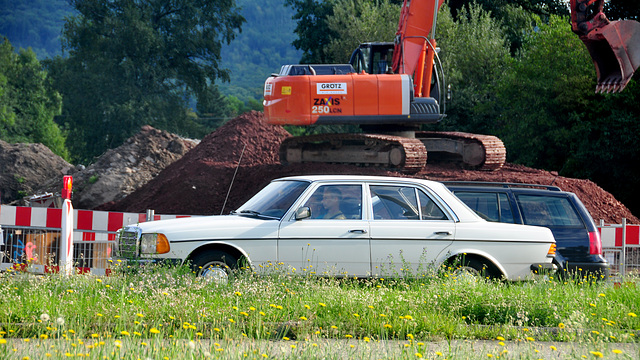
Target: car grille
{"type": "Point", "coordinates": [127, 244]}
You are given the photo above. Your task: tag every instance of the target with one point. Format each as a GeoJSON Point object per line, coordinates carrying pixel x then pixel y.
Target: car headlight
{"type": "Point", "coordinates": [154, 244]}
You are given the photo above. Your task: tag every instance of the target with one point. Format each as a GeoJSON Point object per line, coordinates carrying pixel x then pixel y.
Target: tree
{"type": "Point", "coordinates": [541, 102]}
{"type": "Point", "coordinates": [28, 103]}
{"type": "Point", "coordinates": [137, 62]}
{"type": "Point", "coordinates": [475, 54]}
{"type": "Point", "coordinates": [622, 10]}
{"type": "Point", "coordinates": [357, 21]}
{"type": "Point", "coordinates": [312, 29]}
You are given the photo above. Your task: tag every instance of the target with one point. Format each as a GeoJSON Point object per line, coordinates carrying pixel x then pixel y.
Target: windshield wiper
{"type": "Point", "coordinates": [256, 214]}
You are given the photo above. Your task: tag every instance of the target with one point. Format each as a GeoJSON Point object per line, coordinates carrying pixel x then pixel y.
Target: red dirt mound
{"type": "Point", "coordinates": [199, 182]}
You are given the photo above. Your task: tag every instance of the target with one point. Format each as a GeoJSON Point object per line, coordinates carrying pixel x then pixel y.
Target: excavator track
{"type": "Point", "coordinates": [481, 152]}
{"type": "Point", "coordinates": [388, 151]}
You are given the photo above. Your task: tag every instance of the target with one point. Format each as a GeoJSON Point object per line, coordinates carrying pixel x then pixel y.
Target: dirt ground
{"type": "Point", "coordinates": [208, 179]}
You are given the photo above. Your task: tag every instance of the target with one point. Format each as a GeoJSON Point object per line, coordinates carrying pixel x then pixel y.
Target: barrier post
{"type": "Point", "coordinates": [66, 234]}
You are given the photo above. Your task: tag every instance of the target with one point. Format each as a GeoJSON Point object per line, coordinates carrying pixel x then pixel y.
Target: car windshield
{"type": "Point", "coordinates": [274, 200]}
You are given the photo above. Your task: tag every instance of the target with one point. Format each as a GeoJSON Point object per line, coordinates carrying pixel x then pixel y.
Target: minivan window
{"type": "Point", "coordinates": [548, 211]}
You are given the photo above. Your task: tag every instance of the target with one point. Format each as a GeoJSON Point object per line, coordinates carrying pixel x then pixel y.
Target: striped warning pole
{"type": "Point", "coordinates": [66, 234]}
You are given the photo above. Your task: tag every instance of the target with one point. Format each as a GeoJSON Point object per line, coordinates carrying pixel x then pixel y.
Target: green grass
{"type": "Point", "coordinates": [163, 312]}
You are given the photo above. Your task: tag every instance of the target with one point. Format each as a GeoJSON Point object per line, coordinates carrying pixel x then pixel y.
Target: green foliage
{"type": "Point", "coordinates": [34, 24]}
{"type": "Point", "coordinates": [263, 46]}
{"type": "Point", "coordinates": [622, 9]}
{"type": "Point", "coordinates": [137, 63]}
{"type": "Point", "coordinates": [475, 54]}
{"type": "Point", "coordinates": [312, 29]}
{"type": "Point", "coordinates": [28, 103]}
{"type": "Point", "coordinates": [541, 101]}
{"type": "Point", "coordinates": [357, 21]}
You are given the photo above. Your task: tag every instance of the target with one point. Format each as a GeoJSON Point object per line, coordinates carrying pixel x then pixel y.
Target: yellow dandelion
{"type": "Point", "coordinates": [489, 355]}
{"type": "Point", "coordinates": [303, 318]}
{"type": "Point", "coordinates": [617, 351]}
{"type": "Point", "coordinates": [348, 336]}
{"type": "Point", "coordinates": [597, 354]}
{"type": "Point", "coordinates": [500, 338]}
{"type": "Point", "coordinates": [238, 293]}
{"type": "Point", "coordinates": [529, 338]}
{"type": "Point", "coordinates": [632, 314]}
{"type": "Point", "coordinates": [438, 353]}
{"type": "Point", "coordinates": [561, 325]}
{"type": "Point", "coordinates": [124, 332]}
{"type": "Point", "coordinates": [418, 355]}
{"type": "Point", "coordinates": [154, 331]}
{"type": "Point", "coordinates": [356, 315]}
{"type": "Point", "coordinates": [553, 348]}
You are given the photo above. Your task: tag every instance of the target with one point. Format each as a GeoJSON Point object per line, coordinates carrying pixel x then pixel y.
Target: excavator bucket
{"type": "Point", "coordinates": [615, 51]}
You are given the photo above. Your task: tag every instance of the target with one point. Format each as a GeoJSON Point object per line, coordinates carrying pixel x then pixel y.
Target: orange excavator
{"type": "Point", "coordinates": [390, 89]}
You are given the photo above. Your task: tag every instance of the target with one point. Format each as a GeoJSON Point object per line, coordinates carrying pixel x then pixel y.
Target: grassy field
{"type": "Point", "coordinates": [167, 313]}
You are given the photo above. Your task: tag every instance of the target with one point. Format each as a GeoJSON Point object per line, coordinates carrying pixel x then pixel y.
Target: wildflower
{"type": "Point", "coordinates": [595, 332]}
{"type": "Point", "coordinates": [117, 343]}
{"type": "Point", "coordinates": [238, 293]}
{"type": "Point", "coordinates": [216, 329]}
{"type": "Point", "coordinates": [293, 346]}
{"type": "Point", "coordinates": [561, 325]}
{"type": "Point", "coordinates": [500, 338]}
{"type": "Point", "coordinates": [388, 326]}
{"type": "Point", "coordinates": [366, 339]}
{"type": "Point", "coordinates": [438, 353]}
{"type": "Point", "coordinates": [348, 336]}
{"type": "Point", "coordinates": [94, 335]}
{"type": "Point", "coordinates": [334, 327]}
{"type": "Point", "coordinates": [44, 318]}
{"type": "Point", "coordinates": [418, 355]}
{"type": "Point", "coordinates": [139, 315]}
{"type": "Point", "coordinates": [322, 304]}
{"type": "Point", "coordinates": [60, 321]}
{"type": "Point", "coordinates": [285, 338]}
{"type": "Point", "coordinates": [490, 355]}
{"type": "Point", "coordinates": [44, 336]}
{"type": "Point", "coordinates": [262, 313]}
{"type": "Point", "coordinates": [617, 351]}
{"type": "Point", "coordinates": [144, 343]}
{"type": "Point", "coordinates": [553, 348]}
{"type": "Point", "coordinates": [307, 307]}
{"type": "Point", "coordinates": [3, 341]}
{"type": "Point", "coordinates": [596, 354]}
{"type": "Point", "coordinates": [632, 314]}
{"type": "Point", "coordinates": [99, 315]}
{"type": "Point", "coordinates": [529, 338]}
{"type": "Point", "coordinates": [137, 333]}
{"type": "Point", "coordinates": [356, 315]}
{"type": "Point", "coordinates": [410, 336]}
{"type": "Point", "coordinates": [303, 318]}
{"type": "Point", "coordinates": [154, 331]}
{"type": "Point", "coordinates": [501, 343]}
{"type": "Point", "coordinates": [124, 332]}
{"type": "Point", "coordinates": [601, 295]}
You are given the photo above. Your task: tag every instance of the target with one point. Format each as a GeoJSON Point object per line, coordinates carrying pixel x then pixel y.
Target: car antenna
{"type": "Point", "coordinates": [232, 180]}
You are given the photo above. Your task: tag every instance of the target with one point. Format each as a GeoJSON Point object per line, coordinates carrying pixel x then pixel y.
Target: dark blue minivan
{"type": "Point", "coordinates": [579, 249]}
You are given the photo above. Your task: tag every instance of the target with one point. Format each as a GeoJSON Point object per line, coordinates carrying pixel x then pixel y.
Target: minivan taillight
{"type": "Point", "coordinates": [595, 244]}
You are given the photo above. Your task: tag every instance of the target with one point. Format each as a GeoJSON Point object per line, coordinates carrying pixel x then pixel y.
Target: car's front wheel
{"type": "Point", "coordinates": [214, 264]}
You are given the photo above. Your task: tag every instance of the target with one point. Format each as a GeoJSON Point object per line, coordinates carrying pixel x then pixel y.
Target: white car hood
{"type": "Point", "coordinates": [210, 227]}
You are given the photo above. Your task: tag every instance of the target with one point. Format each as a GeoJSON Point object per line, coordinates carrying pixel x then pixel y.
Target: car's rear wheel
{"type": "Point", "coordinates": [476, 268]}
{"type": "Point", "coordinates": [214, 265]}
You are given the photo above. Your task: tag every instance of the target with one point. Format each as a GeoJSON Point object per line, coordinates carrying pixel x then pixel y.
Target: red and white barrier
{"type": "Point", "coordinates": [38, 228]}
{"type": "Point", "coordinates": [612, 235]}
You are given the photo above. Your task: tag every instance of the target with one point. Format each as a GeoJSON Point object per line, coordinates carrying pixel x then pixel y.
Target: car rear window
{"type": "Point", "coordinates": [550, 211]}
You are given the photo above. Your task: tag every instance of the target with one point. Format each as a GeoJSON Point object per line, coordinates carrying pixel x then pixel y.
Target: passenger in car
{"type": "Point", "coordinates": [331, 203]}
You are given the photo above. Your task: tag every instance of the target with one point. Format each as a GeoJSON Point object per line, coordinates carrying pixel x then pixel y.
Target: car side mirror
{"type": "Point", "coordinates": [303, 213]}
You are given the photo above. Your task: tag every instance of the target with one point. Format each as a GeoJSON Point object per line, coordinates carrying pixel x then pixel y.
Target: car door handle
{"type": "Point", "coordinates": [359, 231]}
{"type": "Point", "coordinates": [443, 233]}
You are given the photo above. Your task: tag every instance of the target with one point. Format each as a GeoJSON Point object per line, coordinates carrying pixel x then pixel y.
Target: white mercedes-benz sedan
{"type": "Point", "coordinates": [341, 225]}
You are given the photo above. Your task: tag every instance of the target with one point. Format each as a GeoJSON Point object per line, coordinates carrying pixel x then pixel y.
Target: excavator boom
{"type": "Point", "coordinates": [614, 46]}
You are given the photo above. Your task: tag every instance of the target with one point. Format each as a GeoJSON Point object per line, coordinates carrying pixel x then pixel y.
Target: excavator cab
{"type": "Point", "coordinates": [373, 58]}
{"type": "Point", "coordinates": [614, 46]}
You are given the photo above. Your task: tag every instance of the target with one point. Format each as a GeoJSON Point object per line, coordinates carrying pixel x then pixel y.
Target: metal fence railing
{"type": "Point", "coordinates": [37, 249]}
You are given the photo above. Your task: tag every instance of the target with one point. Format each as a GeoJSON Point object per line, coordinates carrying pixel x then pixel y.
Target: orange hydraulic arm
{"type": "Point", "coordinates": [614, 46]}
{"type": "Point", "coordinates": [415, 42]}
